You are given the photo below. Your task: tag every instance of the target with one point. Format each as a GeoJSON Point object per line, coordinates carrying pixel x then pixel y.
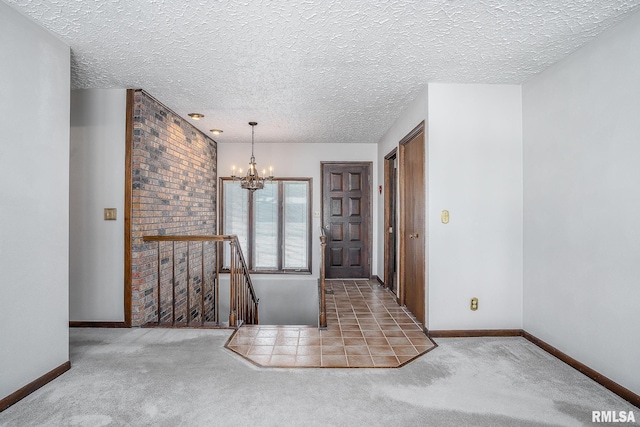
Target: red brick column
{"type": "Point", "coordinates": [174, 193]}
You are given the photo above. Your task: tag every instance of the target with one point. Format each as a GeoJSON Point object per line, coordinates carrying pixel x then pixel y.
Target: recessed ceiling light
{"type": "Point", "coordinates": [196, 116]}
{"type": "Point", "coordinates": [216, 131]}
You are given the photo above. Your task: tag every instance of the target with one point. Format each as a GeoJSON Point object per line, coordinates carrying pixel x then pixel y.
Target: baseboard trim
{"type": "Point", "coordinates": [379, 280]}
{"type": "Point", "coordinates": [470, 333]}
{"type": "Point", "coordinates": [607, 383]}
{"type": "Point", "coordinates": [86, 324]}
{"type": "Point", "coordinates": [33, 386]}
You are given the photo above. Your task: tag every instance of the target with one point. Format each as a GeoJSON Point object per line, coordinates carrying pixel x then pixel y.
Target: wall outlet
{"type": "Point", "coordinates": [474, 304]}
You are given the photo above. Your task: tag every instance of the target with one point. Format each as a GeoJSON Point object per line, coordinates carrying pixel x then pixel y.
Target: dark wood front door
{"type": "Point", "coordinates": [412, 222]}
{"type": "Point", "coordinates": [346, 218]}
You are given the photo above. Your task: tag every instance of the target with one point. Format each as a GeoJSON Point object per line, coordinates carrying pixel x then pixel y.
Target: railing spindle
{"type": "Point", "coordinates": [232, 285]}
{"type": "Point", "coordinates": [188, 287]}
{"type": "Point", "coordinates": [216, 294]}
{"type": "Point", "coordinates": [239, 281]}
{"type": "Point", "coordinates": [173, 282]}
{"type": "Point", "coordinates": [237, 288]}
{"type": "Point", "coordinates": [242, 300]}
{"type": "Point", "coordinates": [159, 301]}
{"type": "Point", "coordinates": [202, 283]}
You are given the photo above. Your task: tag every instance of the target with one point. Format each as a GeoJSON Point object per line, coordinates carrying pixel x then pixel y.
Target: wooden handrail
{"type": "Point", "coordinates": [322, 317]}
{"type": "Point", "coordinates": [214, 238]}
{"type": "Point", "coordinates": [243, 307]}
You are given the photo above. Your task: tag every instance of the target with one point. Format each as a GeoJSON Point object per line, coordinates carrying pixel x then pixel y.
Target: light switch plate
{"type": "Point", "coordinates": [110, 214]}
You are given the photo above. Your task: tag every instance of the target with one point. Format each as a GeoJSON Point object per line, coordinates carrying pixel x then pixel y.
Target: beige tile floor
{"type": "Point", "coordinates": [366, 329]}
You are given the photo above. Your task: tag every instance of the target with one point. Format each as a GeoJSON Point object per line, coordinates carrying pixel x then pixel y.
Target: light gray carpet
{"type": "Point", "coordinates": [169, 377]}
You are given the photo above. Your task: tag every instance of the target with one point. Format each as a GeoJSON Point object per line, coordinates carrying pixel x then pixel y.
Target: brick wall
{"type": "Point", "coordinates": [174, 193]}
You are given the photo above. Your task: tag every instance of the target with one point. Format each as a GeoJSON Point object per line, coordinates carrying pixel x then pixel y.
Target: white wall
{"type": "Point", "coordinates": [96, 246]}
{"type": "Point", "coordinates": [34, 212]}
{"type": "Point", "coordinates": [581, 204]}
{"type": "Point", "coordinates": [475, 172]}
{"type": "Point", "coordinates": [284, 299]}
{"type": "Point", "coordinates": [303, 161]}
{"type": "Point", "coordinates": [413, 114]}
{"type": "Point", "coordinates": [474, 163]}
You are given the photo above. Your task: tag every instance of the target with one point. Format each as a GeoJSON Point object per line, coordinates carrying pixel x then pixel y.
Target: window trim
{"type": "Point", "coordinates": [250, 228]}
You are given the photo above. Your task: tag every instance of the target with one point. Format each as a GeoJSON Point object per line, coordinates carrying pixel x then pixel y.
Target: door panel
{"type": "Point", "coordinates": [355, 182]}
{"type": "Point", "coordinates": [413, 222]}
{"type": "Point", "coordinates": [337, 234]}
{"type": "Point", "coordinates": [354, 232]}
{"type": "Point", "coordinates": [336, 257]}
{"type": "Point", "coordinates": [346, 200]}
{"type": "Point", "coordinates": [336, 206]}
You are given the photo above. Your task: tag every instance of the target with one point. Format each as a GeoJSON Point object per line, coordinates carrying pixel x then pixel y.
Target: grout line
{"type": "Point", "coordinates": [356, 301]}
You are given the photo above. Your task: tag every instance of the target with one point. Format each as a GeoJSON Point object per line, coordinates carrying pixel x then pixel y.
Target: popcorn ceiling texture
{"type": "Point", "coordinates": [312, 71]}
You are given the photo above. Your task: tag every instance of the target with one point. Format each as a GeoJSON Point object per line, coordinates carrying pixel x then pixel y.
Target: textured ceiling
{"type": "Point", "coordinates": [312, 70]}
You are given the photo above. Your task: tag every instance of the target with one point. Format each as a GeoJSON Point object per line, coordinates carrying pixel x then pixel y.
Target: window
{"type": "Point", "coordinates": [273, 225]}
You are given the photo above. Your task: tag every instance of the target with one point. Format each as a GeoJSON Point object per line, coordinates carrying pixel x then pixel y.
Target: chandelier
{"type": "Point", "coordinates": [252, 180]}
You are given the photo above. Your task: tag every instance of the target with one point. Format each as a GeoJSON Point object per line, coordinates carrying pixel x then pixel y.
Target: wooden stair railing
{"type": "Point", "coordinates": [243, 302]}
{"type": "Point", "coordinates": [322, 316]}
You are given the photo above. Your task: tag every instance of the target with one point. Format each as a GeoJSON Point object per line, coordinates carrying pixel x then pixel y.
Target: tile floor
{"type": "Point", "coordinates": [366, 329]}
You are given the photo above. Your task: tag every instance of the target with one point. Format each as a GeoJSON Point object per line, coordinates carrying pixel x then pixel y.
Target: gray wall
{"type": "Point", "coordinates": [582, 204]}
{"type": "Point", "coordinates": [475, 172]}
{"type": "Point", "coordinates": [474, 163]}
{"type": "Point", "coordinates": [34, 211]}
{"type": "Point", "coordinates": [284, 299]}
{"type": "Point", "coordinates": [96, 246]}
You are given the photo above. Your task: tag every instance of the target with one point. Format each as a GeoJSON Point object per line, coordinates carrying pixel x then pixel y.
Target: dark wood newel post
{"type": "Point", "coordinates": [323, 303]}
{"type": "Point", "coordinates": [232, 284]}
